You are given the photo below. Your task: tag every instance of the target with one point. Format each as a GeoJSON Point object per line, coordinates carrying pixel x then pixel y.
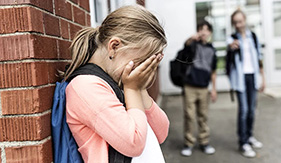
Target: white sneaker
{"type": "Point", "coordinates": [255, 143]}
{"type": "Point", "coordinates": [208, 149]}
{"type": "Point", "coordinates": [186, 151]}
{"type": "Point", "coordinates": [247, 151]}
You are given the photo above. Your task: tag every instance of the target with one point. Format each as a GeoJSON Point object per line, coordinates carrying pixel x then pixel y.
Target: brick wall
{"type": "Point", "coordinates": [34, 40]}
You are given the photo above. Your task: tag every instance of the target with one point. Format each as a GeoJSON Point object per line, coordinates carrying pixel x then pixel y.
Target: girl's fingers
{"type": "Point", "coordinates": [146, 68]}
{"type": "Point", "coordinates": [143, 66]}
{"type": "Point", "coordinates": [128, 69]}
{"type": "Point", "coordinates": [153, 66]}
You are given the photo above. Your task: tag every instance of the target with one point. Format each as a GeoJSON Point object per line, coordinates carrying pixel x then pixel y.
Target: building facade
{"type": "Point", "coordinates": [179, 18]}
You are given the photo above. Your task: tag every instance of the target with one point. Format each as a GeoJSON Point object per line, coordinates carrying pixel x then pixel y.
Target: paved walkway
{"type": "Point", "coordinates": [222, 121]}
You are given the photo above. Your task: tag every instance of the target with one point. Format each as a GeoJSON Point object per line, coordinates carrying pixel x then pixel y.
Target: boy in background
{"type": "Point", "coordinates": [202, 56]}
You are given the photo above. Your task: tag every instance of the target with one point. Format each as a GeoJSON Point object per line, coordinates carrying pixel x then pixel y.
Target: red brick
{"type": "Point", "coordinates": [51, 25]}
{"type": "Point", "coordinates": [44, 47]}
{"type": "Point", "coordinates": [51, 71]}
{"type": "Point", "coordinates": [64, 29]}
{"type": "Point", "coordinates": [27, 46]}
{"type": "Point", "coordinates": [26, 101]}
{"type": "Point", "coordinates": [25, 128]}
{"type": "Point", "coordinates": [29, 73]}
{"type": "Point", "coordinates": [41, 153]}
{"type": "Point", "coordinates": [44, 4]}
{"type": "Point", "coordinates": [64, 51]}
{"type": "Point", "coordinates": [88, 20]}
{"type": "Point", "coordinates": [16, 47]}
{"type": "Point", "coordinates": [73, 30]}
{"type": "Point", "coordinates": [20, 19]}
{"type": "Point", "coordinates": [84, 4]}
{"type": "Point", "coordinates": [63, 8]}
{"type": "Point", "coordinates": [79, 16]}
{"type": "Point", "coordinates": [54, 68]}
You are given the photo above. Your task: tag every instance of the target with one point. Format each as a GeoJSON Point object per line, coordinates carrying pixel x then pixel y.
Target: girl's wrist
{"type": "Point", "coordinates": [147, 100]}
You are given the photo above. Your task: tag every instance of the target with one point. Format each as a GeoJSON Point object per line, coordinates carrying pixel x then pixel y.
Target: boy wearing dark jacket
{"type": "Point", "coordinates": [201, 58]}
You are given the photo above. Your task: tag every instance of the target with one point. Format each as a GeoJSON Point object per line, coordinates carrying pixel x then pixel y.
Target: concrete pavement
{"type": "Point", "coordinates": [222, 122]}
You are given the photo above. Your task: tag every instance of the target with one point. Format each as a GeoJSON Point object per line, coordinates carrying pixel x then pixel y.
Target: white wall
{"type": "Point", "coordinates": [178, 20]}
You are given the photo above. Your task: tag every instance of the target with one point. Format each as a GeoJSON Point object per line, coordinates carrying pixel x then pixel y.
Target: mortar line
{"type": "Point", "coordinates": [3, 154]}
{"type": "Point", "coordinates": [27, 115]}
{"type": "Point", "coordinates": [26, 88]}
{"type": "Point", "coordinates": [34, 33]}
{"type": "Point", "coordinates": [24, 143]}
{"type": "Point", "coordinates": [34, 61]}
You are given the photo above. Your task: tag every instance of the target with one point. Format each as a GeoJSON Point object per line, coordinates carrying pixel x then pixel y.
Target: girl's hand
{"type": "Point", "coordinates": [152, 77]}
{"type": "Point", "coordinates": [234, 45]}
{"type": "Point", "coordinates": [143, 75]}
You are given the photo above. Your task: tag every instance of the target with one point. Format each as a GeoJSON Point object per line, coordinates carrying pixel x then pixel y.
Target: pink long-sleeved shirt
{"type": "Point", "coordinates": [97, 118]}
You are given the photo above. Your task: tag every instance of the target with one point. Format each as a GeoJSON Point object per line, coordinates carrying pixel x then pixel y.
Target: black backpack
{"type": "Point", "coordinates": [179, 65]}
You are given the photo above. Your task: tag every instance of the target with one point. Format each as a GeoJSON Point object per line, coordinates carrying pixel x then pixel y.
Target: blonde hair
{"type": "Point", "coordinates": [136, 27]}
{"type": "Point", "coordinates": [235, 13]}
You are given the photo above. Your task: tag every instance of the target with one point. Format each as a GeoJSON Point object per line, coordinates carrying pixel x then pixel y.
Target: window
{"type": "Point", "coordinates": [218, 13]}
{"type": "Point", "coordinates": [214, 13]}
{"type": "Point", "coordinates": [101, 8]}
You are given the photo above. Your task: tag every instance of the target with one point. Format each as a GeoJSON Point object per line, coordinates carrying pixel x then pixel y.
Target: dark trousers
{"type": "Point", "coordinates": [246, 109]}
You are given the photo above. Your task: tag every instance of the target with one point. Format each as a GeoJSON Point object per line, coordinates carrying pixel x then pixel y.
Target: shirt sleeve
{"type": "Point", "coordinates": [214, 63]}
{"type": "Point", "coordinates": [91, 101]}
{"type": "Point", "coordinates": [158, 121]}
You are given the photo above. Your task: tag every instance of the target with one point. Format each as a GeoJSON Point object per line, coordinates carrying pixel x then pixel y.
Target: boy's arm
{"type": "Point", "coordinates": [191, 39]}
{"type": "Point", "coordinates": [214, 89]}
{"type": "Point", "coordinates": [213, 78]}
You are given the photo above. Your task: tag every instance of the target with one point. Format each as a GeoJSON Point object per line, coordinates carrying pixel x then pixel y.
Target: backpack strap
{"type": "Point", "coordinates": [235, 37]}
{"type": "Point", "coordinates": [255, 40]}
{"type": "Point", "coordinates": [92, 69]}
{"type": "Point", "coordinates": [257, 48]}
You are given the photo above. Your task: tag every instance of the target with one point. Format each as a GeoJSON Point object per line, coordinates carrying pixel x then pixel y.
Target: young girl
{"type": "Point", "coordinates": [128, 48]}
{"type": "Point", "coordinates": [243, 77]}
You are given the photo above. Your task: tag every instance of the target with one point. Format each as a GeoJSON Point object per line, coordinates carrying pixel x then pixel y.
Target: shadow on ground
{"type": "Point", "coordinates": [222, 122]}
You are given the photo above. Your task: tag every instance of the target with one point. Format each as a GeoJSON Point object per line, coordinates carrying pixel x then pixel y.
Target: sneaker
{"type": "Point", "coordinates": [255, 143]}
{"type": "Point", "coordinates": [186, 151]}
{"type": "Point", "coordinates": [208, 149]}
{"type": "Point", "coordinates": [247, 151]}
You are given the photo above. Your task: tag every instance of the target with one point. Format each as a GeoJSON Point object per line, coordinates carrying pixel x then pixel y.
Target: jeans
{"type": "Point", "coordinates": [246, 109]}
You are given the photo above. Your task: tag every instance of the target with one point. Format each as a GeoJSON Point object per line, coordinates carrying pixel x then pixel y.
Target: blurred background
{"type": "Point", "coordinates": [179, 18]}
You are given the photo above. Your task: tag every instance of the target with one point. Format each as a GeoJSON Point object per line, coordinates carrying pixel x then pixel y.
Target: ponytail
{"type": "Point", "coordinates": [82, 49]}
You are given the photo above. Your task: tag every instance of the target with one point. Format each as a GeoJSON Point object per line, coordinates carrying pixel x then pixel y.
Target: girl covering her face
{"type": "Point", "coordinates": [128, 48]}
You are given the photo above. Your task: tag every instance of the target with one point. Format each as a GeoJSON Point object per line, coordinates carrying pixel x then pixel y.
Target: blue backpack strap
{"type": "Point", "coordinates": [65, 148]}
